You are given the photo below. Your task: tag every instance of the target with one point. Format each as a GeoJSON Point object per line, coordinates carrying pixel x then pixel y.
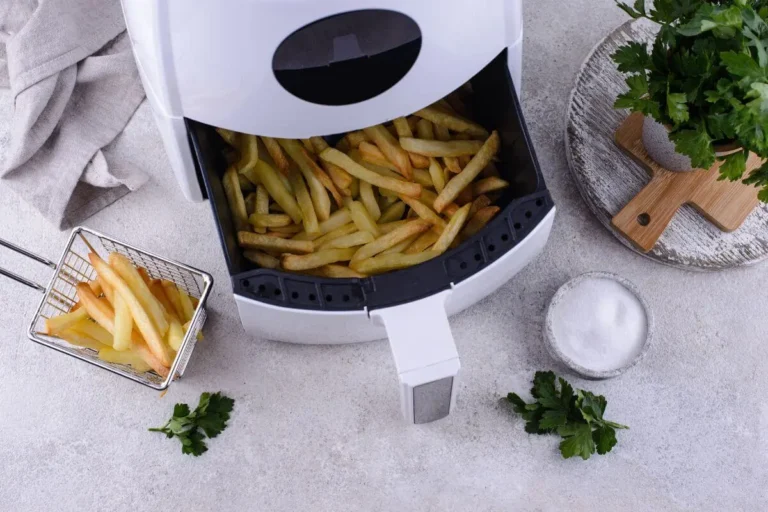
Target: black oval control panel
{"type": "Point", "coordinates": [347, 58]}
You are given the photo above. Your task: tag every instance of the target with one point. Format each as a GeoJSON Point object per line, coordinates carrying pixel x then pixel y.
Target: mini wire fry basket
{"type": "Point", "coordinates": [73, 267]}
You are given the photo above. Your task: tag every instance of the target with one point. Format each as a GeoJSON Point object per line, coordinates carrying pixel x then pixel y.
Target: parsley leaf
{"type": "Point", "coordinates": [697, 144]}
{"type": "Point", "coordinates": [632, 58]}
{"type": "Point", "coordinates": [733, 166]}
{"type": "Point", "coordinates": [676, 107]}
{"type": "Point", "coordinates": [210, 416]}
{"type": "Point", "coordinates": [577, 416]}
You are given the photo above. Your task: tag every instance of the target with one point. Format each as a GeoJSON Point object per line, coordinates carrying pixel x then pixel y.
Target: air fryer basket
{"type": "Point", "coordinates": [524, 204]}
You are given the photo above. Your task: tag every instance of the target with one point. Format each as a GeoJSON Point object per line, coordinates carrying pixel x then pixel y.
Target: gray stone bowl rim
{"type": "Point", "coordinates": [551, 341]}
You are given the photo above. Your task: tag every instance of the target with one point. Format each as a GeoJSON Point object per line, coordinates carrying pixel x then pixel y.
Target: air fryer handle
{"type": "Point", "coordinates": [425, 356]}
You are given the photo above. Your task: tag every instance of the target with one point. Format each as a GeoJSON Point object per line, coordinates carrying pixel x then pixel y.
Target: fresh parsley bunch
{"type": "Point", "coordinates": [577, 416]}
{"type": "Point", "coordinates": [209, 417]}
{"type": "Point", "coordinates": [706, 78]}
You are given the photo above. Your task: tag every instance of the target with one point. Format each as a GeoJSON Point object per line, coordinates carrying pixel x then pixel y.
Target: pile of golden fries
{"type": "Point", "coordinates": [385, 198]}
{"type": "Point", "coordinates": [126, 316]}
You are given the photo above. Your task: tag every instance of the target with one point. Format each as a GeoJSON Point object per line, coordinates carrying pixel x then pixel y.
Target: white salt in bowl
{"type": "Point", "coordinates": [603, 338]}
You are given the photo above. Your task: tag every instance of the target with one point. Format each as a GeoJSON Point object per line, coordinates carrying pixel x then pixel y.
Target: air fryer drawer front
{"type": "Point", "coordinates": [524, 205]}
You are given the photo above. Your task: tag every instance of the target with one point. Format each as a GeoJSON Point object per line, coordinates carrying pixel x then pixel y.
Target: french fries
{"type": "Point", "coordinates": [385, 197]}
{"type": "Point", "coordinates": [391, 149]}
{"type": "Point", "coordinates": [276, 152]}
{"type": "Point", "coordinates": [138, 286]}
{"type": "Point", "coordinates": [459, 182]}
{"type": "Point", "coordinates": [62, 322]}
{"type": "Point", "coordinates": [316, 259]}
{"type": "Point", "coordinates": [439, 148]}
{"type": "Point", "coordinates": [336, 157]}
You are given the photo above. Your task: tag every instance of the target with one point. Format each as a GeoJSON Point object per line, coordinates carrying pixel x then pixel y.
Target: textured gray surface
{"type": "Point", "coordinates": [318, 428]}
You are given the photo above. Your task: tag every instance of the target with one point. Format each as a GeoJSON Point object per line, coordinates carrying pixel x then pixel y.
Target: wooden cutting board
{"type": "Point", "coordinates": [642, 221]}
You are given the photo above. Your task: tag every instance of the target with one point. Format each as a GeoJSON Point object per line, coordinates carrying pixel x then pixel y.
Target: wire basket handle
{"type": "Point", "coordinates": [31, 255]}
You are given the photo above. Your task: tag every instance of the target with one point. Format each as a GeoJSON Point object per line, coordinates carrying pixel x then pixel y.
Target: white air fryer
{"type": "Point", "coordinates": [299, 68]}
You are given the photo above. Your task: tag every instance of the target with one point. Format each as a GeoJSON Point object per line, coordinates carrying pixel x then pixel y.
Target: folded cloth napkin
{"type": "Point", "coordinates": [75, 86]}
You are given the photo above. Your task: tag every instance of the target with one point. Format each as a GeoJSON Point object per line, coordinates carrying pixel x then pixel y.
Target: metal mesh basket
{"type": "Point", "coordinates": [60, 296]}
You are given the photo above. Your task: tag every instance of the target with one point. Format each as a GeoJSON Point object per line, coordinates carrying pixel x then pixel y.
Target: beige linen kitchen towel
{"type": "Point", "coordinates": [74, 83]}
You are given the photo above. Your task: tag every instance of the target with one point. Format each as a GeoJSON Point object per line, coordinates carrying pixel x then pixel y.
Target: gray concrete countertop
{"type": "Point", "coordinates": [319, 428]}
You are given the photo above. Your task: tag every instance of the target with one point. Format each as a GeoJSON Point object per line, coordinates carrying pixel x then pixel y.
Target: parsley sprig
{"type": "Point", "coordinates": [706, 77]}
{"type": "Point", "coordinates": [577, 416]}
{"type": "Point", "coordinates": [209, 417]}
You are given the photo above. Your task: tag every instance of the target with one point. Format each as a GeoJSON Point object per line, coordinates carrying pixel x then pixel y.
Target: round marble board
{"type": "Point", "coordinates": [608, 179]}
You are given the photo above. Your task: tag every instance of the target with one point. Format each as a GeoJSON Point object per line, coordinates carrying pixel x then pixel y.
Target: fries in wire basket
{"type": "Point", "coordinates": [126, 316]}
{"type": "Point", "coordinates": [385, 198]}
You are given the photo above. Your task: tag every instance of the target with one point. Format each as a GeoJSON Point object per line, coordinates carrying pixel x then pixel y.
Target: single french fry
{"type": "Point", "coordinates": [340, 177]}
{"type": "Point", "coordinates": [336, 157]}
{"type": "Point", "coordinates": [250, 240]}
{"type": "Point", "coordinates": [354, 188]}
{"type": "Point", "coordinates": [355, 239]}
{"type": "Point", "coordinates": [235, 198]}
{"type": "Point", "coordinates": [394, 212]}
{"type": "Point", "coordinates": [59, 323]}
{"type": "Point", "coordinates": [437, 174]}
{"type": "Point", "coordinates": [316, 259]}
{"type": "Point", "coordinates": [140, 290]}
{"type": "Point", "coordinates": [454, 187]}
{"type": "Point", "coordinates": [111, 355]}
{"type": "Point", "coordinates": [355, 138]}
{"type": "Point", "coordinates": [95, 285]}
{"type": "Point", "coordinates": [323, 178]}
{"type": "Point", "coordinates": [424, 129]}
{"type": "Point", "coordinates": [271, 180]}
{"type": "Point", "coordinates": [480, 201]}
{"type": "Point", "coordinates": [229, 136]}
{"type": "Point", "coordinates": [343, 145]}
{"type": "Point", "coordinates": [94, 331]}
{"type": "Point", "coordinates": [404, 130]}
{"type": "Point", "coordinates": [423, 242]}
{"type": "Point", "coordinates": [388, 262]}
{"type": "Point", "coordinates": [246, 185]}
{"type": "Point", "coordinates": [79, 339]}
{"type": "Point", "coordinates": [123, 324]}
{"type": "Point", "coordinates": [400, 247]}
{"type": "Point", "coordinates": [424, 211]}
{"type": "Point", "coordinates": [249, 151]}
{"type": "Point", "coordinates": [320, 199]}
{"type": "Point", "coordinates": [487, 185]}
{"type": "Point", "coordinates": [368, 198]}
{"type": "Point", "coordinates": [437, 148]}
{"type": "Point", "coordinates": [362, 218]}
{"type": "Point", "coordinates": [391, 149]}
{"type": "Point", "coordinates": [261, 204]}
{"type": "Point", "coordinates": [186, 305]}
{"type": "Point", "coordinates": [262, 259]}
{"type": "Point", "coordinates": [305, 202]}
{"type": "Point", "coordinates": [175, 335]}
{"type": "Point", "coordinates": [149, 327]}
{"type": "Point", "coordinates": [276, 152]}
{"type": "Point", "coordinates": [172, 292]}
{"type": "Point", "coordinates": [452, 230]}
{"type": "Point", "coordinates": [452, 121]}
{"type": "Point", "coordinates": [337, 271]}
{"type": "Point", "coordinates": [338, 219]}
{"type": "Point", "coordinates": [270, 220]}
{"type": "Point", "coordinates": [384, 242]}
{"type": "Point", "coordinates": [464, 160]}
{"type": "Point", "coordinates": [479, 220]}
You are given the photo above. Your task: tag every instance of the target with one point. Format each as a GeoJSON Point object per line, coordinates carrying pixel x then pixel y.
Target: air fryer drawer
{"type": "Point", "coordinates": [524, 205]}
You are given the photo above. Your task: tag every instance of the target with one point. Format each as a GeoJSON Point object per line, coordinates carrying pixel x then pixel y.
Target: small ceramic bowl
{"type": "Point", "coordinates": [553, 346]}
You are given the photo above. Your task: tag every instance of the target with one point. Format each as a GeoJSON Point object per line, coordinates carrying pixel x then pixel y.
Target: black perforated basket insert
{"type": "Point", "coordinates": [524, 205]}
